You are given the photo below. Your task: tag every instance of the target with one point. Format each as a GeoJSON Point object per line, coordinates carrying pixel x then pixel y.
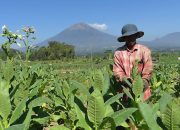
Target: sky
{"type": "Point", "coordinates": [49, 17]}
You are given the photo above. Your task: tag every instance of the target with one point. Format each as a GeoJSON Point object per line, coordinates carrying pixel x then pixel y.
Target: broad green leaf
{"type": "Point", "coordinates": [16, 127]}
{"type": "Point", "coordinates": [135, 71]}
{"type": "Point", "coordinates": [95, 108]}
{"type": "Point", "coordinates": [36, 86]}
{"type": "Point", "coordinates": [158, 84]}
{"type": "Point", "coordinates": [58, 101]}
{"type": "Point", "coordinates": [98, 80]}
{"type": "Point", "coordinates": [58, 90]}
{"type": "Point", "coordinates": [39, 101]}
{"type": "Point", "coordinates": [120, 116]}
{"type": "Point", "coordinates": [1, 125]}
{"type": "Point", "coordinates": [170, 117]}
{"type": "Point", "coordinates": [81, 88]}
{"type": "Point", "coordinates": [5, 105]}
{"type": "Point", "coordinates": [18, 111]}
{"type": "Point", "coordinates": [37, 83]}
{"type": "Point", "coordinates": [137, 87]}
{"type": "Point", "coordinates": [147, 114]}
{"type": "Point", "coordinates": [128, 82]}
{"type": "Point", "coordinates": [28, 119]}
{"type": "Point", "coordinates": [65, 88]}
{"type": "Point", "coordinates": [108, 110]}
{"type": "Point", "coordinates": [72, 114]}
{"type": "Point", "coordinates": [124, 124]}
{"type": "Point", "coordinates": [42, 121]}
{"type": "Point", "coordinates": [81, 119]}
{"type": "Point", "coordinates": [164, 100]}
{"type": "Point", "coordinates": [126, 91]}
{"type": "Point", "coordinates": [155, 109]}
{"type": "Point", "coordinates": [34, 91]}
{"type": "Point", "coordinates": [55, 117]}
{"type": "Point", "coordinates": [106, 82]}
{"type": "Point", "coordinates": [108, 124]}
{"type": "Point", "coordinates": [8, 70]}
{"type": "Point", "coordinates": [113, 99]}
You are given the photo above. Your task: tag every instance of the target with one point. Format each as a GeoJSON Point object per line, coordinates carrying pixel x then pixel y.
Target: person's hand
{"type": "Point", "coordinates": [146, 84]}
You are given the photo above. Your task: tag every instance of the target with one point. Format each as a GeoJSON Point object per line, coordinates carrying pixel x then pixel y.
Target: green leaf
{"type": "Point", "coordinates": [170, 117]}
{"type": "Point", "coordinates": [98, 80]}
{"type": "Point", "coordinates": [147, 114]}
{"type": "Point", "coordinates": [81, 88]}
{"type": "Point", "coordinates": [1, 125]}
{"type": "Point", "coordinates": [59, 127]}
{"type": "Point", "coordinates": [58, 101]}
{"type": "Point", "coordinates": [35, 87]}
{"type": "Point", "coordinates": [55, 117]}
{"type": "Point", "coordinates": [65, 88]}
{"type": "Point", "coordinates": [128, 82]}
{"type": "Point", "coordinates": [8, 70]}
{"type": "Point", "coordinates": [18, 111]}
{"type": "Point", "coordinates": [106, 82]}
{"type": "Point", "coordinates": [114, 99]}
{"type": "Point", "coordinates": [126, 91]}
{"type": "Point", "coordinates": [155, 110]}
{"type": "Point", "coordinates": [108, 124]}
{"type": "Point", "coordinates": [120, 116]}
{"type": "Point", "coordinates": [81, 119]}
{"type": "Point", "coordinates": [95, 108]}
{"type": "Point", "coordinates": [37, 83]}
{"type": "Point", "coordinates": [16, 127]}
{"type": "Point", "coordinates": [72, 114]}
{"type": "Point", "coordinates": [42, 121]}
{"type": "Point", "coordinates": [39, 101]}
{"type": "Point", "coordinates": [135, 71]}
{"type": "Point", "coordinates": [28, 119]}
{"type": "Point", "coordinates": [164, 100]}
{"type": "Point", "coordinates": [108, 110]}
{"type": "Point", "coordinates": [58, 90]}
{"type": "Point", "coordinates": [137, 87]}
{"type": "Point", "coordinates": [158, 84]}
{"type": "Point", "coordinates": [124, 124]}
{"type": "Point", "coordinates": [5, 105]}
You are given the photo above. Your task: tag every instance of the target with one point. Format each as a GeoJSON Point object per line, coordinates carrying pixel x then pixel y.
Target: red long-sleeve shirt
{"type": "Point", "coordinates": [124, 60]}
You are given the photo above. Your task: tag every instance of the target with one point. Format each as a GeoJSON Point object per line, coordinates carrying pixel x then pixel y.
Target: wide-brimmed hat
{"type": "Point", "coordinates": [128, 30]}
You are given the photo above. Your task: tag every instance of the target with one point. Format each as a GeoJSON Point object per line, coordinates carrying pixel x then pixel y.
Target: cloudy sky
{"type": "Point", "coordinates": [155, 17]}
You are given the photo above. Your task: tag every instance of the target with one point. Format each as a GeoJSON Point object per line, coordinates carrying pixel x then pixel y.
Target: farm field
{"type": "Point", "coordinates": [81, 94]}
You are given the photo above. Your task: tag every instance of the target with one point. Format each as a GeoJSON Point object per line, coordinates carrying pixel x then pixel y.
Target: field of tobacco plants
{"type": "Point", "coordinates": [38, 97]}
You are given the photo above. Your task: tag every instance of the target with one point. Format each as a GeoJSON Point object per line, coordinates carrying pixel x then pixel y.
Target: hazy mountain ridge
{"type": "Point", "coordinates": [87, 39]}
{"type": "Point", "coordinates": [84, 38]}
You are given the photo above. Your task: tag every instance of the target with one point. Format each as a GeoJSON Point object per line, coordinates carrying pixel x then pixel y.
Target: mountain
{"type": "Point", "coordinates": [85, 38]}
{"type": "Point", "coordinates": [169, 41]}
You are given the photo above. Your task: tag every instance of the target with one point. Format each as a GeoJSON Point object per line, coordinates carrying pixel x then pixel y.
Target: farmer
{"type": "Point", "coordinates": [125, 57]}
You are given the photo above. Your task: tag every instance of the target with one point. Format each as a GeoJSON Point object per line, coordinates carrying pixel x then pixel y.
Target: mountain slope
{"type": "Point", "coordinates": [85, 38]}
{"type": "Point", "coordinates": [169, 41]}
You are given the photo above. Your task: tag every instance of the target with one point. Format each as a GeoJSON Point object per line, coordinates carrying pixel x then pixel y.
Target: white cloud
{"type": "Point", "coordinates": [102, 27]}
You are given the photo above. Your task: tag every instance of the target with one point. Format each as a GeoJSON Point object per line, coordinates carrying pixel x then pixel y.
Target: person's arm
{"type": "Point", "coordinates": [148, 68]}
{"type": "Point", "coordinates": [118, 68]}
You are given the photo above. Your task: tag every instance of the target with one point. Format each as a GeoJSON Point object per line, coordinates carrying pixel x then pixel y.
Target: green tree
{"type": "Point", "coordinates": [54, 51]}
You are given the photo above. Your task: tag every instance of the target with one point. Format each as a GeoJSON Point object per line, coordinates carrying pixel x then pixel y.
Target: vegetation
{"type": "Point", "coordinates": [54, 51]}
{"type": "Point", "coordinates": [39, 97]}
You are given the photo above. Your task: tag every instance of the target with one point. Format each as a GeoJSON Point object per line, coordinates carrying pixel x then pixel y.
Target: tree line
{"type": "Point", "coordinates": [54, 51]}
